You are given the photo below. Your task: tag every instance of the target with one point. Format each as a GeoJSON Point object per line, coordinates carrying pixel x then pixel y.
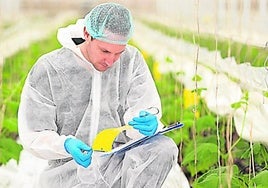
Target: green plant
{"type": "Point", "coordinates": [205, 152]}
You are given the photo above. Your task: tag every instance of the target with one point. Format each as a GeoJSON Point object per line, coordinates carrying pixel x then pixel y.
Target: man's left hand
{"type": "Point", "coordinates": [146, 123]}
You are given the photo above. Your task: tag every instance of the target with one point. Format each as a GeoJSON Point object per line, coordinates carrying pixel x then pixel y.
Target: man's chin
{"type": "Point", "coordinates": [101, 69]}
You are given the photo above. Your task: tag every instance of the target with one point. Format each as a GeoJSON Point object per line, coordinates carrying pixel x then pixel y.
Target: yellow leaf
{"type": "Point", "coordinates": [105, 139]}
{"type": "Point", "coordinates": [190, 99]}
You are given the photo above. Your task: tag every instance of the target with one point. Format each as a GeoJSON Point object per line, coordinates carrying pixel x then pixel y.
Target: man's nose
{"type": "Point", "coordinates": [110, 60]}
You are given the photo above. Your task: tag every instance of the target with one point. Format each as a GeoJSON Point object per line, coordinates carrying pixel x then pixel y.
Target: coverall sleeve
{"type": "Point", "coordinates": [142, 93]}
{"type": "Point", "coordinates": [36, 117]}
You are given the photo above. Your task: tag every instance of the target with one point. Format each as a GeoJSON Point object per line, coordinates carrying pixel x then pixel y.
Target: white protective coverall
{"type": "Point", "coordinates": [64, 96]}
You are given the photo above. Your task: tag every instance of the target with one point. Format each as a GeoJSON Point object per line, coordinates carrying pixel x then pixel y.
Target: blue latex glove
{"type": "Point", "coordinates": [146, 123]}
{"type": "Point", "coordinates": [81, 152]}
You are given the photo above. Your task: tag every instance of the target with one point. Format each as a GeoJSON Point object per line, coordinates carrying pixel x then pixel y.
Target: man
{"type": "Point", "coordinates": [76, 91]}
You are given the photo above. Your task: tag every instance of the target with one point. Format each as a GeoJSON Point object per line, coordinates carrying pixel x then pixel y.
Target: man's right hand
{"type": "Point", "coordinates": [81, 152]}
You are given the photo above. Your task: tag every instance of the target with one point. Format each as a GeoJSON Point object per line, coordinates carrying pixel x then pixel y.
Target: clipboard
{"type": "Point", "coordinates": [135, 143]}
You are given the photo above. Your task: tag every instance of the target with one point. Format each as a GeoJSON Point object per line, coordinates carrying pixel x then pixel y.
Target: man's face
{"type": "Point", "coordinates": [102, 54]}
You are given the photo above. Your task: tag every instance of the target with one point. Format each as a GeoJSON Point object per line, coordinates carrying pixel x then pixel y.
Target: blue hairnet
{"type": "Point", "coordinates": [110, 22]}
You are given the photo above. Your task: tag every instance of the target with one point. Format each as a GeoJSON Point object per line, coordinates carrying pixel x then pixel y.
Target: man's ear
{"type": "Point", "coordinates": [86, 34]}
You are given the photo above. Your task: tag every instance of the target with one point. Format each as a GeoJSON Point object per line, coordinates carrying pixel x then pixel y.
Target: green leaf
{"type": "Point", "coordinates": [260, 179]}
{"type": "Point", "coordinates": [9, 149]}
{"type": "Point", "coordinates": [197, 78]}
{"type": "Point", "coordinates": [259, 152]}
{"type": "Point", "coordinates": [205, 122]}
{"type": "Point", "coordinates": [214, 180]}
{"type": "Point", "coordinates": [13, 104]}
{"type": "Point", "coordinates": [11, 108]}
{"type": "Point", "coordinates": [180, 135]}
{"type": "Point", "coordinates": [188, 115]}
{"type": "Point", "coordinates": [238, 104]}
{"type": "Point", "coordinates": [206, 156]}
{"type": "Point", "coordinates": [11, 124]}
{"type": "Point", "coordinates": [265, 93]}
{"type": "Point", "coordinates": [199, 90]}
{"type": "Point", "coordinates": [169, 60]}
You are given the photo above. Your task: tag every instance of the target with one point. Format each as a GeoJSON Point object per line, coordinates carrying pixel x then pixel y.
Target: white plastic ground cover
{"type": "Point", "coordinates": [22, 174]}
{"type": "Point", "coordinates": [225, 81]}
